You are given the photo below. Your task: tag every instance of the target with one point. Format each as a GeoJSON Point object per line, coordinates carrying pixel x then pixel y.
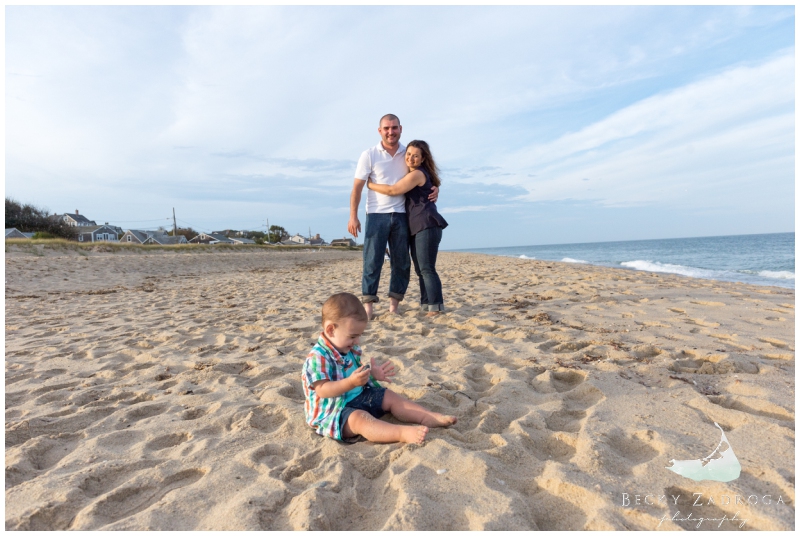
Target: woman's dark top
{"type": "Point", "coordinates": [422, 213]}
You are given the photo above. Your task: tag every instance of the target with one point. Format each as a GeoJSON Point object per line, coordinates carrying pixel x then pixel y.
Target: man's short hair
{"type": "Point", "coordinates": [390, 117]}
{"type": "Point", "coordinates": [341, 306]}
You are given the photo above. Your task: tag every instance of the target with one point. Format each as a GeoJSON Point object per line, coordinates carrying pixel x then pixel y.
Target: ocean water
{"type": "Point", "coordinates": [765, 259]}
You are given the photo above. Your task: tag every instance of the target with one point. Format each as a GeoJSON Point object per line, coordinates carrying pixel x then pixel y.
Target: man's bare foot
{"type": "Point", "coordinates": [413, 434]}
{"type": "Point", "coordinates": [433, 313]}
{"type": "Point", "coordinates": [368, 309]}
{"type": "Point", "coordinates": [394, 305]}
{"type": "Point", "coordinates": [437, 420]}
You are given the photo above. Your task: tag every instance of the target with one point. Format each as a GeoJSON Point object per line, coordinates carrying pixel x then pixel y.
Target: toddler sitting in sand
{"type": "Point", "coordinates": [343, 398]}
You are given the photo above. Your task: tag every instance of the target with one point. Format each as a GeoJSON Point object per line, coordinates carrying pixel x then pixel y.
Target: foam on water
{"type": "Point", "coordinates": [650, 266]}
{"type": "Point", "coordinates": [766, 259]}
{"type": "Point", "coordinates": [776, 275]}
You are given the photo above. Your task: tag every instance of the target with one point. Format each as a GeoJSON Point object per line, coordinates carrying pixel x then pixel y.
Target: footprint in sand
{"type": "Point", "coordinates": [140, 413]}
{"type": "Point", "coordinates": [478, 378]}
{"type": "Point", "coordinates": [628, 451]}
{"type": "Point", "coordinates": [192, 414]}
{"type": "Point", "coordinates": [168, 441]}
{"type": "Point", "coordinates": [139, 494]}
{"type": "Point", "coordinates": [265, 419]}
{"type": "Point", "coordinates": [39, 454]}
{"type": "Point", "coordinates": [572, 414]}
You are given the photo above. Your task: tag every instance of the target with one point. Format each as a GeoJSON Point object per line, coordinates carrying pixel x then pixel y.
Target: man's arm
{"type": "Point", "coordinates": [354, 226]}
{"type": "Point", "coordinates": [434, 194]}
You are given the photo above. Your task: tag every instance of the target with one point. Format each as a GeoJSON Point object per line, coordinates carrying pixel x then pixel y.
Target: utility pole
{"type": "Point", "coordinates": [174, 223]}
{"type": "Point", "coordinates": [268, 239]}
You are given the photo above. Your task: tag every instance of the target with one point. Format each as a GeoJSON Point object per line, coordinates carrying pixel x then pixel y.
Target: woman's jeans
{"type": "Point", "coordinates": [424, 248]}
{"type": "Point", "coordinates": [380, 229]}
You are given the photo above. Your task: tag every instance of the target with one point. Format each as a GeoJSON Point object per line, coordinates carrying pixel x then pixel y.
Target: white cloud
{"type": "Point", "coordinates": [731, 129]}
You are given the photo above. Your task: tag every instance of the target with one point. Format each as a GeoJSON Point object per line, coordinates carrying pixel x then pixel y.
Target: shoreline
{"type": "Point", "coordinates": [163, 392]}
{"type": "Point", "coordinates": [630, 269]}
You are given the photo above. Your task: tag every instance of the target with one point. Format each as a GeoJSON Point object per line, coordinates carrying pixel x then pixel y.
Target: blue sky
{"type": "Point", "coordinates": [551, 125]}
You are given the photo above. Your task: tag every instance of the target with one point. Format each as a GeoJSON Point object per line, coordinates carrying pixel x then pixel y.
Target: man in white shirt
{"type": "Point", "coordinates": [386, 215]}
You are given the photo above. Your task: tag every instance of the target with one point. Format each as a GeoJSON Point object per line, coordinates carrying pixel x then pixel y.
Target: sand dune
{"type": "Point", "coordinates": [161, 391]}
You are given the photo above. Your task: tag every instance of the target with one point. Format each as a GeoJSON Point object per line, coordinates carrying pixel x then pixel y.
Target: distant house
{"type": "Point", "coordinates": [210, 238]}
{"type": "Point", "coordinates": [14, 233]}
{"type": "Point", "coordinates": [76, 220]}
{"type": "Point", "coordinates": [317, 241]}
{"type": "Point", "coordinates": [239, 241]}
{"type": "Point", "coordinates": [96, 233]}
{"type": "Point", "coordinates": [296, 240]}
{"type": "Point", "coordinates": [343, 242]}
{"type": "Point", "coordinates": [166, 240]}
{"type": "Point", "coordinates": [135, 236]}
{"type": "Point", "coordinates": [229, 233]}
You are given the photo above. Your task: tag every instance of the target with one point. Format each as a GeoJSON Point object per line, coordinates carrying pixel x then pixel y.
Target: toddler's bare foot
{"type": "Point", "coordinates": [414, 434]}
{"type": "Point", "coordinates": [437, 420]}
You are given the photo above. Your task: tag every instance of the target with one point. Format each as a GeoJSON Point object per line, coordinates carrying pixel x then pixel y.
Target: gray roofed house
{"type": "Point", "coordinates": [134, 236]}
{"type": "Point", "coordinates": [166, 240]}
{"type": "Point", "coordinates": [318, 241]}
{"type": "Point", "coordinates": [76, 220]}
{"type": "Point", "coordinates": [14, 233]}
{"type": "Point", "coordinates": [210, 238]}
{"type": "Point", "coordinates": [96, 233]}
{"type": "Point", "coordinates": [343, 242]}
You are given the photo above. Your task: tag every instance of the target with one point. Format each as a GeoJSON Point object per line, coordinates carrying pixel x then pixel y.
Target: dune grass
{"type": "Point", "coordinates": [37, 246]}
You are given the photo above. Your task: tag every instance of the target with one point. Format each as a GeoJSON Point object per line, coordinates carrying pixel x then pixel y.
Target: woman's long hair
{"type": "Point", "coordinates": [427, 160]}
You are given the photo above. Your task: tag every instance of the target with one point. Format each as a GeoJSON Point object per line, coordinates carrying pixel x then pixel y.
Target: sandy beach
{"type": "Point", "coordinates": [159, 390]}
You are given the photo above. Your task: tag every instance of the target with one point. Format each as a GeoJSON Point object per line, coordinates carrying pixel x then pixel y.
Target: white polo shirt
{"type": "Point", "coordinates": [378, 165]}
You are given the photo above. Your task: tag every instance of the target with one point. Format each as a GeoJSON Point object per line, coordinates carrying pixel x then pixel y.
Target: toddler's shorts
{"type": "Point", "coordinates": [370, 400]}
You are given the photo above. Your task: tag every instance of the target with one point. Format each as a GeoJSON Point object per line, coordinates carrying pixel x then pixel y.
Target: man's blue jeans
{"type": "Point", "coordinates": [424, 249]}
{"type": "Point", "coordinates": [382, 229]}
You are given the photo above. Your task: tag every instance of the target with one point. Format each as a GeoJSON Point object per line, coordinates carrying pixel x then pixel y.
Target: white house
{"type": "Point", "coordinates": [76, 220]}
{"type": "Point", "coordinates": [296, 240]}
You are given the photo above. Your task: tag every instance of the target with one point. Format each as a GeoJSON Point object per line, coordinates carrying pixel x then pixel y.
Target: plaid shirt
{"type": "Point", "coordinates": [324, 362]}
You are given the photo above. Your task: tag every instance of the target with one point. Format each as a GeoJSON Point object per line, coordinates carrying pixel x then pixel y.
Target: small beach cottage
{"type": "Point", "coordinates": [14, 233]}
{"type": "Point", "coordinates": [96, 233]}
{"type": "Point", "coordinates": [296, 240]}
{"type": "Point", "coordinates": [166, 240]}
{"type": "Point", "coordinates": [76, 220]}
{"type": "Point", "coordinates": [210, 238]}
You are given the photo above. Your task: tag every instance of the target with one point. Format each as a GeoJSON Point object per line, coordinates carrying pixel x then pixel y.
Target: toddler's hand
{"type": "Point", "coordinates": [360, 376]}
{"type": "Point", "coordinates": [382, 372]}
